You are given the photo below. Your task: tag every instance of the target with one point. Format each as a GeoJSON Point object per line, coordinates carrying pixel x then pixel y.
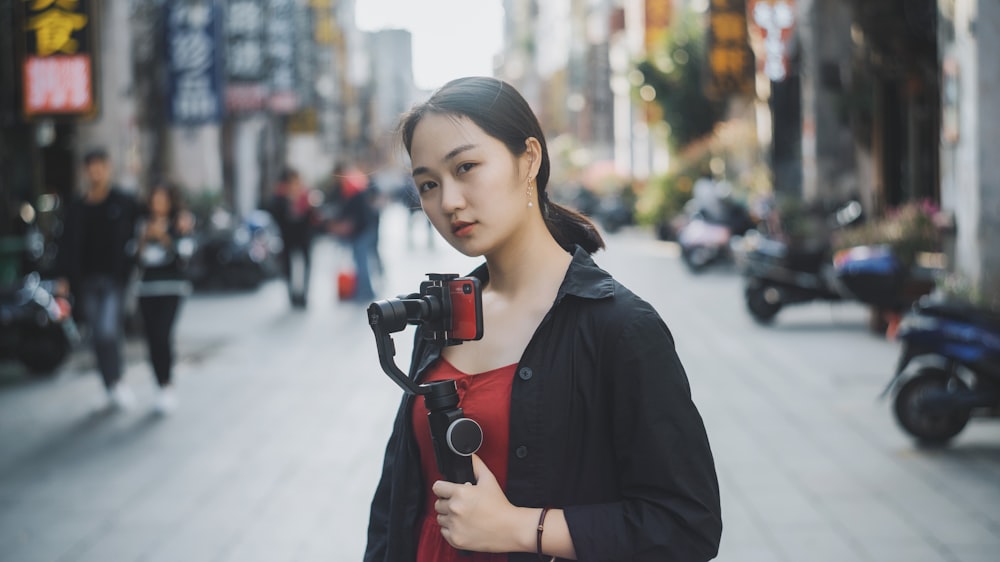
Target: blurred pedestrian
{"type": "Point", "coordinates": [164, 248]}
{"type": "Point", "coordinates": [593, 447]}
{"type": "Point", "coordinates": [357, 224]}
{"type": "Point", "coordinates": [292, 208]}
{"type": "Point", "coordinates": [96, 256]}
{"type": "Point", "coordinates": [377, 200]}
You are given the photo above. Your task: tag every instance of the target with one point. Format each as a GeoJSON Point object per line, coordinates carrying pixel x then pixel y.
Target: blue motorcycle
{"type": "Point", "coordinates": [948, 370]}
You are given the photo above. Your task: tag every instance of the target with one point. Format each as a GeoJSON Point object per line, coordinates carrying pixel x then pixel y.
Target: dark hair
{"type": "Point", "coordinates": [174, 194]}
{"type": "Point", "coordinates": [501, 112]}
{"type": "Point", "coordinates": [95, 155]}
{"type": "Point", "coordinates": [288, 174]}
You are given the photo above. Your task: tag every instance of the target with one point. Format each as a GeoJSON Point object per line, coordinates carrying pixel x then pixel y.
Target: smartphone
{"type": "Point", "coordinates": [466, 298]}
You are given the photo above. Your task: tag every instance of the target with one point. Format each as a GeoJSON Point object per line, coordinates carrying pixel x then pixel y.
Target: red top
{"type": "Point", "coordinates": [485, 398]}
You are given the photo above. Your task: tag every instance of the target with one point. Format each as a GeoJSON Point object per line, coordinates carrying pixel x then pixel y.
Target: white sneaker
{"type": "Point", "coordinates": [120, 397]}
{"type": "Point", "coordinates": [166, 401]}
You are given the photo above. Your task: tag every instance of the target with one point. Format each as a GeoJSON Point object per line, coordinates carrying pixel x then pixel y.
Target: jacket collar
{"type": "Point", "coordinates": [583, 279]}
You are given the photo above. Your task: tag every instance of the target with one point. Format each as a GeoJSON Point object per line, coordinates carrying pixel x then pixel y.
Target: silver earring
{"type": "Point", "coordinates": [531, 186]}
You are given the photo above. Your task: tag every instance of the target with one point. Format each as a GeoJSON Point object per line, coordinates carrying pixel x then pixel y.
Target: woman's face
{"type": "Point", "coordinates": [471, 187]}
{"type": "Point", "coordinates": [159, 203]}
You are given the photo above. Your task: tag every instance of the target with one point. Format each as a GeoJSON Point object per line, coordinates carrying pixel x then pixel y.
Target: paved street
{"type": "Point", "coordinates": [275, 449]}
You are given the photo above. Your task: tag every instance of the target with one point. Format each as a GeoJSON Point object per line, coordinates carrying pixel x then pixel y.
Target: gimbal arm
{"type": "Point", "coordinates": [386, 317]}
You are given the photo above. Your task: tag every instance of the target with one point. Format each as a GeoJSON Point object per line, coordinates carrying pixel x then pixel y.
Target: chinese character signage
{"type": "Point", "coordinates": [730, 60]}
{"type": "Point", "coordinates": [58, 62]}
{"type": "Point", "coordinates": [280, 34]}
{"type": "Point", "coordinates": [245, 58]}
{"type": "Point", "coordinates": [773, 21]}
{"type": "Point", "coordinates": [194, 61]}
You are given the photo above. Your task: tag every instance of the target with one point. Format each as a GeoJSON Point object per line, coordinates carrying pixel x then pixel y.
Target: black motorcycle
{"type": "Point", "coordinates": [36, 326]}
{"type": "Point", "coordinates": [777, 273]}
{"type": "Point", "coordinates": [948, 370]}
{"type": "Point", "coordinates": [232, 254]}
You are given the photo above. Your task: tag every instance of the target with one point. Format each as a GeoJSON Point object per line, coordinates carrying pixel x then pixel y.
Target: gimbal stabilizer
{"type": "Point", "coordinates": [455, 437]}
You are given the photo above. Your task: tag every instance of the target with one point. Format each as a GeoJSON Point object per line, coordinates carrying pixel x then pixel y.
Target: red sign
{"type": "Point", "coordinates": [57, 85]}
{"type": "Point", "coordinates": [58, 64]}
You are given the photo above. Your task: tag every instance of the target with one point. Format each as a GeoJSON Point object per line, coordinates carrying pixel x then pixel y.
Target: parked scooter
{"type": "Point", "coordinates": [232, 254]}
{"type": "Point", "coordinates": [705, 239]}
{"type": "Point", "coordinates": [703, 242]}
{"type": "Point", "coordinates": [777, 274]}
{"type": "Point", "coordinates": [36, 327]}
{"type": "Point", "coordinates": [712, 222]}
{"type": "Point", "coordinates": [948, 370]}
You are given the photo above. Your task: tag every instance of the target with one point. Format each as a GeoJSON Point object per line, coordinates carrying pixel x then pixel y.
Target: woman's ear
{"type": "Point", "coordinates": [533, 150]}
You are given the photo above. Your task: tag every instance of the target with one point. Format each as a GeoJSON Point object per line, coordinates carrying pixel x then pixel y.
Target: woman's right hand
{"type": "Point", "coordinates": [478, 517]}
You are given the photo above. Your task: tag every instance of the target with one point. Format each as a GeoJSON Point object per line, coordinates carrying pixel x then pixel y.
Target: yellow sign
{"type": "Point", "coordinates": [54, 31]}
{"type": "Point", "coordinates": [730, 60]}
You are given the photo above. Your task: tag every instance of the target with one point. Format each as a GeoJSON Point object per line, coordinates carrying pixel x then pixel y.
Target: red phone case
{"type": "Point", "coordinates": [466, 309]}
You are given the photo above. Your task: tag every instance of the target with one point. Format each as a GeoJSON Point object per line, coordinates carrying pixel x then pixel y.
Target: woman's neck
{"type": "Point", "coordinates": [531, 260]}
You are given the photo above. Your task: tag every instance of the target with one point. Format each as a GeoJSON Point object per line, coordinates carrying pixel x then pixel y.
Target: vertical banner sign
{"type": "Point", "coordinates": [245, 62]}
{"type": "Point", "coordinates": [773, 22]}
{"type": "Point", "coordinates": [730, 60]}
{"type": "Point", "coordinates": [280, 36]}
{"type": "Point", "coordinates": [194, 61]}
{"type": "Point", "coordinates": [657, 23]}
{"type": "Point", "coordinates": [58, 61]}
{"type": "Point", "coordinates": [305, 55]}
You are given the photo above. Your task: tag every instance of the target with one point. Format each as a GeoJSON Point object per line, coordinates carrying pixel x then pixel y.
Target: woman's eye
{"type": "Point", "coordinates": [465, 167]}
{"type": "Point", "coordinates": [426, 186]}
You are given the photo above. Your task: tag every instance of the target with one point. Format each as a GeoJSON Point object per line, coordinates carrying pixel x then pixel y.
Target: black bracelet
{"type": "Point", "coordinates": [541, 528]}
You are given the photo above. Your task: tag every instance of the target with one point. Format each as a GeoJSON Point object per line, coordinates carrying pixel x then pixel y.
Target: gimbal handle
{"type": "Point", "coordinates": [454, 436]}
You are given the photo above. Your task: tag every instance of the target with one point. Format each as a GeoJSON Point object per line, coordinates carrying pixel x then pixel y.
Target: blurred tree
{"type": "Point", "coordinates": [675, 74]}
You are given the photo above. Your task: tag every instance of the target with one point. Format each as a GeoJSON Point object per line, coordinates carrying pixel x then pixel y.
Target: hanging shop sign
{"type": "Point", "coordinates": [246, 89]}
{"type": "Point", "coordinates": [194, 61]}
{"type": "Point", "coordinates": [280, 40]}
{"type": "Point", "coordinates": [59, 58]}
{"type": "Point", "coordinates": [730, 61]}
{"type": "Point", "coordinates": [773, 22]}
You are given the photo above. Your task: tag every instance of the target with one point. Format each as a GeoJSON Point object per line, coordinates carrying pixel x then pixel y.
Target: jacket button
{"type": "Point", "coordinates": [525, 373]}
{"type": "Point", "coordinates": [521, 452]}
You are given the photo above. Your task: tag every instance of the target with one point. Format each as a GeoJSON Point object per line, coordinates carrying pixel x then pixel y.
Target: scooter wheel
{"type": "Point", "coordinates": [696, 258]}
{"type": "Point", "coordinates": [762, 302]}
{"type": "Point", "coordinates": [42, 351]}
{"type": "Point", "coordinates": [930, 428]}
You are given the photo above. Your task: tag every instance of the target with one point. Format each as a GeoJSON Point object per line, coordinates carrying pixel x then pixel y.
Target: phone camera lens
{"type": "Point", "coordinates": [467, 289]}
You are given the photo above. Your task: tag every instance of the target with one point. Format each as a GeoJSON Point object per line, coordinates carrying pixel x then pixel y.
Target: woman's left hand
{"type": "Point", "coordinates": [476, 517]}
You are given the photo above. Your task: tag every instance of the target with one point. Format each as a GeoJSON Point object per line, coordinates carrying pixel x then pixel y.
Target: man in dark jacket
{"type": "Point", "coordinates": [95, 260]}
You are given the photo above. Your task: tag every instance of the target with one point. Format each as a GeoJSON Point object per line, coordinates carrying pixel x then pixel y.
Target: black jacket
{"type": "Point", "coordinates": [121, 212]}
{"type": "Point", "coordinates": [602, 426]}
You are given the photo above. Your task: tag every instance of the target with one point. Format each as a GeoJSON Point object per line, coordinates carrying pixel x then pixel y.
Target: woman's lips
{"type": "Point", "coordinates": [461, 228]}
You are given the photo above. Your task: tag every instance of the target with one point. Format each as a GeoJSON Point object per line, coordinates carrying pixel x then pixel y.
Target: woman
{"type": "Point", "coordinates": [593, 449]}
{"type": "Point", "coordinates": [293, 211]}
{"type": "Point", "coordinates": [163, 253]}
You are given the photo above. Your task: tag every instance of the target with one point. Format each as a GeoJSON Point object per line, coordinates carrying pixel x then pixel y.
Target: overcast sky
{"type": "Point", "coordinates": [451, 38]}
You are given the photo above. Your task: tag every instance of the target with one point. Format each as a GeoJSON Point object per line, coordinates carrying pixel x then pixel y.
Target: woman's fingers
{"type": "Point", "coordinates": [443, 489]}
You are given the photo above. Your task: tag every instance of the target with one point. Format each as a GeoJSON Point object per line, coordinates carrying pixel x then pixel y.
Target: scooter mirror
{"type": "Point", "coordinates": [849, 213]}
